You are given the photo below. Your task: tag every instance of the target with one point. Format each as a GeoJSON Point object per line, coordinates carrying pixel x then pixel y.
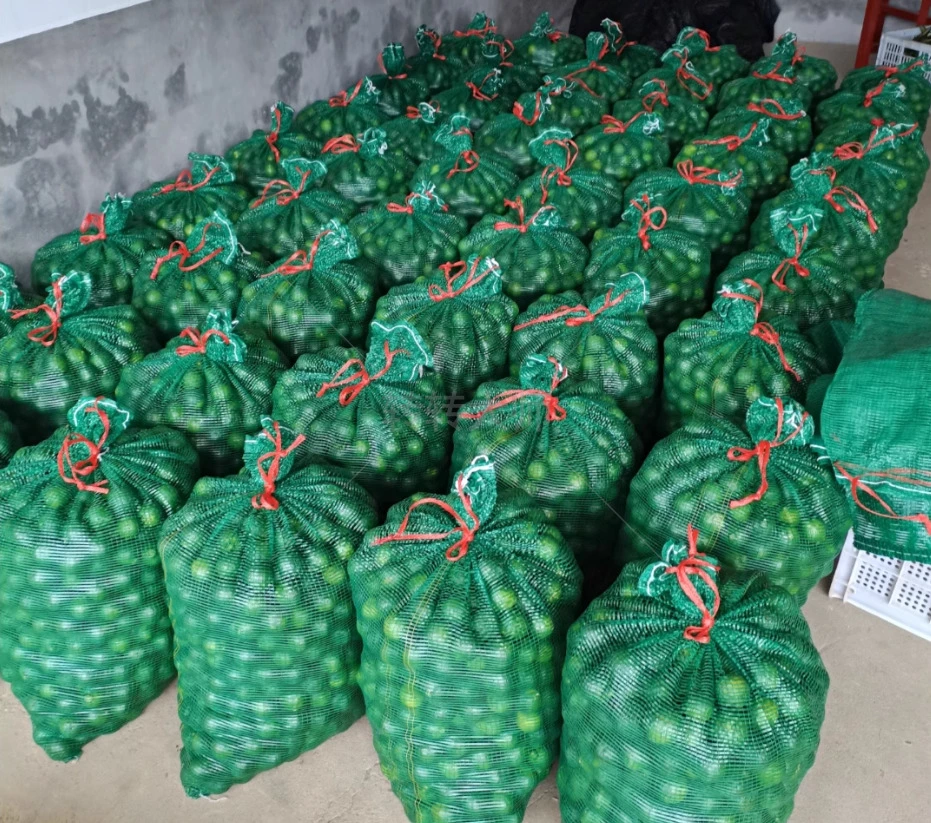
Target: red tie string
{"type": "Point", "coordinates": [857, 151]}
{"type": "Point", "coordinates": [73, 472]}
{"type": "Point", "coordinates": [505, 50]}
{"type": "Point", "coordinates": [284, 194]}
{"type": "Point", "coordinates": [183, 181]}
{"type": "Point", "coordinates": [340, 145]}
{"type": "Point", "coordinates": [773, 74]}
{"type": "Point", "coordinates": [180, 249]}
{"type": "Point", "coordinates": [762, 452]}
{"type": "Point", "coordinates": [351, 385]}
{"type": "Point", "coordinates": [703, 176]}
{"type": "Point", "coordinates": [477, 92]}
{"type": "Point", "coordinates": [763, 331]}
{"type": "Point", "coordinates": [272, 137]}
{"type": "Point", "coordinates": [452, 272]}
{"type": "Point", "coordinates": [594, 65]}
{"type": "Point", "coordinates": [773, 109]}
{"type": "Point", "coordinates": [889, 71]}
{"type": "Point", "coordinates": [95, 222]}
{"type": "Point", "coordinates": [344, 98]}
{"type": "Point", "coordinates": [696, 565]}
{"type": "Point", "coordinates": [300, 260]}
{"type": "Point", "coordinates": [873, 93]}
{"type": "Point", "coordinates": [471, 160]}
{"type": "Point", "coordinates": [731, 142]}
{"type": "Point", "coordinates": [799, 55]}
{"type": "Point", "coordinates": [654, 98]}
{"type": "Point", "coordinates": [858, 478]}
{"type": "Point", "coordinates": [685, 76]}
{"type": "Point", "coordinates": [381, 63]}
{"type": "Point", "coordinates": [198, 340]}
{"type": "Point", "coordinates": [576, 315]}
{"type": "Point", "coordinates": [45, 335]}
{"type": "Point", "coordinates": [854, 201]}
{"type": "Point", "coordinates": [558, 173]}
{"type": "Point", "coordinates": [267, 500]}
{"type": "Point", "coordinates": [414, 113]}
{"type": "Point", "coordinates": [517, 204]}
{"type": "Point", "coordinates": [702, 35]}
{"type": "Point", "coordinates": [488, 28]}
{"type": "Point", "coordinates": [614, 126]}
{"type": "Point", "coordinates": [437, 43]}
{"type": "Point", "coordinates": [466, 529]}
{"type": "Point", "coordinates": [554, 411]}
{"type": "Point", "coordinates": [648, 220]}
{"type": "Point", "coordinates": [518, 110]}
{"type": "Point", "coordinates": [793, 262]}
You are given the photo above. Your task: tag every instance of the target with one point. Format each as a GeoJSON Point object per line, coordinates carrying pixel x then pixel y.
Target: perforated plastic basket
{"type": "Point", "coordinates": [898, 46]}
{"type": "Point", "coordinates": [895, 590]}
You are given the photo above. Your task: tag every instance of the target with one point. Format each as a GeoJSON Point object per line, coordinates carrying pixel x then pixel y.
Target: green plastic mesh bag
{"type": "Point", "coordinates": [607, 342]}
{"type": "Point", "coordinates": [800, 278]}
{"type": "Point", "coordinates": [464, 318]}
{"type": "Point", "coordinates": [538, 254]}
{"type": "Point", "coordinates": [815, 73]}
{"type": "Point", "coordinates": [104, 247]}
{"type": "Point", "coordinates": [772, 78]}
{"type": "Point", "coordinates": [292, 211]}
{"type": "Point", "coordinates": [265, 638]}
{"type": "Point", "coordinates": [788, 126]}
{"type": "Point", "coordinates": [718, 63]}
{"type": "Point", "coordinates": [478, 96]}
{"type": "Point", "coordinates": [596, 75]}
{"type": "Point", "coordinates": [464, 601]}
{"type": "Point", "coordinates": [11, 299]}
{"type": "Point", "coordinates": [875, 425]}
{"type": "Point", "coordinates": [884, 102]}
{"type": "Point", "coordinates": [399, 89]}
{"type": "Point", "coordinates": [413, 132]}
{"type": "Point", "coordinates": [178, 286]}
{"type": "Point", "coordinates": [635, 58]}
{"type": "Point", "coordinates": [585, 199]}
{"type": "Point", "coordinates": [546, 47]}
{"type": "Point", "coordinates": [314, 299]}
{"type": "Point", "coordinates": [518, 77]}
{"type": "Point", "coordinates": [60, 351]}
{"type": "Point", "coordinates": [210, 383]}
{"type": "Point", "coordinates": [508, 135]}
{"type": "Point", "coordinates": [564, 442]}
{"type": "Point", "coordinates": [719, 364]}
{"type": "Point", "coordinates": [409, 239]}
{"type": "Point", "coordinates": [351, 111]}
{"type": "Point", "coordinates": [678, 77]}
{"type": "Point", "coordinates": [688, 695]}
{"type": "Point", "coordinates": [757, 493]}
{"type": "Point", "coordinates": [380, 415]}
{"type": "Point", "coordinates": [9, 440]}
{"type": "Point", "coordinates": [435, 65]}
{"type": "Point", "coordinates": [471, 184]}
{"type": "Point", "coordinates": [466, 45]}
{"type": "Point", "coordinates": [675, 264]}
{"type": "Point", "coordinates": [257, 159]}
{"type": "Point", "coordinates": [573, 107]}
{"type": "Point", "coordinates": [622, 150]}
{"type": "Point", "coordinates": [177, 206]}
{"type": "Point", "coordinates": [85, 640]}
{"type": "Point", "coordinates": [705, 202]}
{"type": "Point", "coordinates": [909, 75]}
{"type": "Point", "coordinates": [363, 169]}
{"type": "Point", "coordinates": [683, 119]}
{"type": "Point", "coordinates": [764, 170]}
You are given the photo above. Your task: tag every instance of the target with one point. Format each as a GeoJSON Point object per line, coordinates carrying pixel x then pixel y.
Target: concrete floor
{"type": "Point", "coordinates": [872, 766]}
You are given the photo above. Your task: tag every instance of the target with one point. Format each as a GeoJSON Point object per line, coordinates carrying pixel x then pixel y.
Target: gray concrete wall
{"type": "Point", "coordinates": [111, 103]}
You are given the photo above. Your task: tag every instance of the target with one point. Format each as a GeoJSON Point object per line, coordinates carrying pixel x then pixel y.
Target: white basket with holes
{"type": "Point", "coordinates": [898, 46]}
{"type": "Point", "coordinates": [895, 590]}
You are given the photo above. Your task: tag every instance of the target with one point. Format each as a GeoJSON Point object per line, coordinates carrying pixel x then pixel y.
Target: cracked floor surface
{"type": "Point", "coordinates": [872, 764]}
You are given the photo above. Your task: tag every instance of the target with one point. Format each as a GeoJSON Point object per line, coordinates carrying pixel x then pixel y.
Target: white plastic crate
{"type": "Point", "coordinates": [898, 46]}
{"type": "Point", "coordinates": [895, 590]}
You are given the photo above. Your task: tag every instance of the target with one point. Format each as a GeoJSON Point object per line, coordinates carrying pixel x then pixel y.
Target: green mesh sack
{"type": "Point", "coordinates": [464, 318]}
{"type": "Point", "coordinates": [772, 78]}
{"type": "Point", "coordinates": [435, 65]}
{"type": "Point", "coordinates": [471, 184]}
{"type": "Point", "coordinates": [178, 286]}
{"type": "Point", "coordinates": [314, 299]}
{"type": "Point", "coordinates": [209, 383]}
{"type": "Point", "coordinates": [463, 604]}
{"type": "Point", "coordinates": [363, 170]}
{"type": "Point", "coordinates": [678, 77]}
{"type": "Point", "coordinates": [570, 447]}
{"type": "Point", "coordinates": [538, 254]}
{"type": "Point", "coordinates": [909, 75]}
{"type": "Point", "coordinates": [399, 89]}
{"type": "Point", "coordinates": [573, 106]}
{"type": "Point", "coordinates": [885, 101]}
{"type": "Point", "coordinates": [265, 639]}
{"type": "Point", "coordinates": [466, 45]}
{"type": "Point", "coordinates": [718, 63]}
{"type": "Point", "coordinates": [800, 277]}
{"type": "Point", "coordinates": [788, 126]}
{"type": "Point", "coordinates": [683, 119]}
{"type": "Point", "coordinates": [622, 150]}
{"type": "Point", "coordinates": [688, 695]}
{"type": "Point", "coordinates": [9, 440]}
{"type": "Point", "coordinates": [596, 75]}
{"type": "Point", "coordinates": [719, 364]}
{"type": "Point", "coordinates": [351, 111]}
{"type": "Point", "coordinates": [546, 47]}
{"type": "Point", "coordinates": [257, 159]}
{"type": "Point", "coordinates": [607, 342]}
{"type": "Point", "coordinates": [764, 169]}
{"type": "Point", "coordinates": [518, 77]}
{"type": "Point", "coordinates": [478, 96]}
{"type": "Point", "coordinates": [410, 239]}
{"type": "Point", "coordinates": [11, 299]}
{"type": "Point", "coordinates": [708, 203]}
{"type": "Point", "coordinates": [635, 58]}
{"type": "Point", "coordinates": [380, 415]}
{"type": "Point", "coordinates": [585, 199]}
{"type": "Point", "coordinates": [675, 264]}
{"type": "Point", "coordinates": [291, 212]}
{"type": "Point", "coordinates": [60, 351]}
{"type": "Point", "coordinates": [757, 493]}
{"type": "Point", "coordinates": [85, 639]}
{"type": "Point", "coordinates": [177, 206]}
{"type": "Point", "coordinates": [413, 132]}
{"type": "Point", "coordinates": [508, 135]}
{"type": "Point", "coordinates": [105, 247]}
{"type": "Point", "coordinates": [815, 73]}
